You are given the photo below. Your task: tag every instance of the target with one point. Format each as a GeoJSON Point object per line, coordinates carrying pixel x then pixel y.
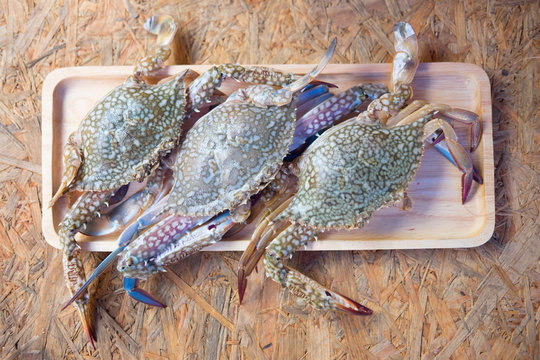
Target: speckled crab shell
{"type": "Point", "coordinates": [353, 170]}
{"type": "Point", "coordinates": [123, 137]}
{"type": "Point", "coordinates": [229, 155]}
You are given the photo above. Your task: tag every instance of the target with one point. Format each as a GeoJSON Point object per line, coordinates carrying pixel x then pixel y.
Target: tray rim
{"type": "Point", "coordinates": [55, 77]}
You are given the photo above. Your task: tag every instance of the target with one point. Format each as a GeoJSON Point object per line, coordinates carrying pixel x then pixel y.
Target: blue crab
{"type": "Point", "coordinates": [351, 171]}
{"type": "Point", "coordinates": [126, 134]}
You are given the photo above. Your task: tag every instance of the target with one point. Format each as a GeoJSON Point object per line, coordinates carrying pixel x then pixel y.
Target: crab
{"type": "Point", "coordinates": [351, 171]}
{"type": "Point", "coordinates": [126, 134]}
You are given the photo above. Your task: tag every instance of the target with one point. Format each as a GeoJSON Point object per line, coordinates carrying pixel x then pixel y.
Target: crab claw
{"type": "Point", "coordinates": [163, 26]}
{"type": "Point", "coordinates": [464, 163]}
{"type": "Point", "coordinates": [406, 58]}
{"type": "Point", "coordinates": [472, 120]}
{"type": "Point", "coordinates": [442, 148]}
{"type": "Point", "coordinates": [459, 156]}
{"type": "Point", "coordinates": [130, 285]}
{"type": "Point", "coordinates": [131, 208]}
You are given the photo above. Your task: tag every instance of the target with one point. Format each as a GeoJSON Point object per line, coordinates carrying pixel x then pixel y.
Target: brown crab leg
{"type": "Point", "coordinates": [257, 246]}
{"type": "Point", "coordinates": [83, 210]}
{"type": "Point", "coordinates": [72, 160]}
{"type": "Point", "coordinates": [318, 296]}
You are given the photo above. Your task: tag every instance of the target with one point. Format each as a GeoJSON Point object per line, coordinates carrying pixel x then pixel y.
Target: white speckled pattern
{"type": "Point", "coordinates": [228, 154]}
{"type": "Point", "coordinates": [124, 136]}
{"type": "Point", "coordinates": [364, 166]}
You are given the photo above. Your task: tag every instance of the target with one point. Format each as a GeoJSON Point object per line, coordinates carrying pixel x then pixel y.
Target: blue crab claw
{"type": "Point", "coordinates": [130, 285]}
{"type": "Point", "coordinates": [147, 219]}
{"type": "Point", "coordinates": [442, 148]}
{"type": "Point", "coordinates": [406, 57]}
{"type": "Point", "coordinates": [346, 304]}
{"type": "Point", "coordinates": [163, 26]}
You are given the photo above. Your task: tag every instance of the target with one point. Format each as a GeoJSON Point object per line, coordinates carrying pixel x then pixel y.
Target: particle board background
{"type": "Point", "coordinates": [481, 303]}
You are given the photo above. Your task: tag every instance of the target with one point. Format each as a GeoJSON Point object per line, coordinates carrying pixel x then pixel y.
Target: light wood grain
{"type": "Point", "coordinates": [437, 218]}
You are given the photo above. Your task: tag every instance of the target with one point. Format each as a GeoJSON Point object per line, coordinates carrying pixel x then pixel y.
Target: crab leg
{"type": "Point", "coordinates": [257, 246]}
{"type": "Point", "coordinates": [310, 97]}
{"type": "Point", "coordinates": [87, 207]}
{"type": "Point", "coordinates": [72, 162]}
{"type": "Point", "coordinates": [336, 107]}
{"type": "Point", "coordinates": [82, 211]}
{"type": "Point", "coordinates": [165, 28]}
{"type": "Point", "coordinates": [157, 186]}
{"type": "Point", "coordinates": [168, 242]}
{"type": "Point", "coordinates": [318, 296]}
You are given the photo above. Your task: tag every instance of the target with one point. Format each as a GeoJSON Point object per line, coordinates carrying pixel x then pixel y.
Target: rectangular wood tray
{"type": "Point", "coordinates": [437, 218]}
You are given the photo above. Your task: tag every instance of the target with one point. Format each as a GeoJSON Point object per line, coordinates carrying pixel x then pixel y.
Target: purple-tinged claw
{"type": "Point", "coordinates": [352, 307]}
{"type": "Point", "coordinates": [441, 147]}
{"type": "Point", "coordinates": [466, 184]}
{"type": "Point", "coordinates": [130, 285]}
{"type": "Point", "coordinates": [472, 121]}
{"type": "Point", "coordinates": [463, 162]}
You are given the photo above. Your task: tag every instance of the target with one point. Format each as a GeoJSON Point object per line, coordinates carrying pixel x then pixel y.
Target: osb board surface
{"type": "Point", "coordinates": [438, 219]}
{"type": "Point", "coordinates": [478, 303]}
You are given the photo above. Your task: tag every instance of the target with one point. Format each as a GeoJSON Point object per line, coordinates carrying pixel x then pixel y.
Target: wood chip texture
{"type": "Point", "coordinates": [480, 303]}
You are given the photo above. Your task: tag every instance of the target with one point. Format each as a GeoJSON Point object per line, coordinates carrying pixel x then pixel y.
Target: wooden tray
{"type": "Point", "coordinates": [437, 218]}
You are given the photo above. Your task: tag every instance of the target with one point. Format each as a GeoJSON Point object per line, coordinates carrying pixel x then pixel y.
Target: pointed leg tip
{"type": "Point", "coordinates": [87, 328]}
{"type": "Point", "coordinates": [466, 184]}
{"type": "Point", "coordinates": [130, 285]}
{"type": "Point", "coordinates": [242, 283]}
{"type": "Point", "coordinates": [477, 176]}
{"type": "Point", "coordinates": [354, 308]}
{"type": "Point", "coordinates": [348, 305]}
